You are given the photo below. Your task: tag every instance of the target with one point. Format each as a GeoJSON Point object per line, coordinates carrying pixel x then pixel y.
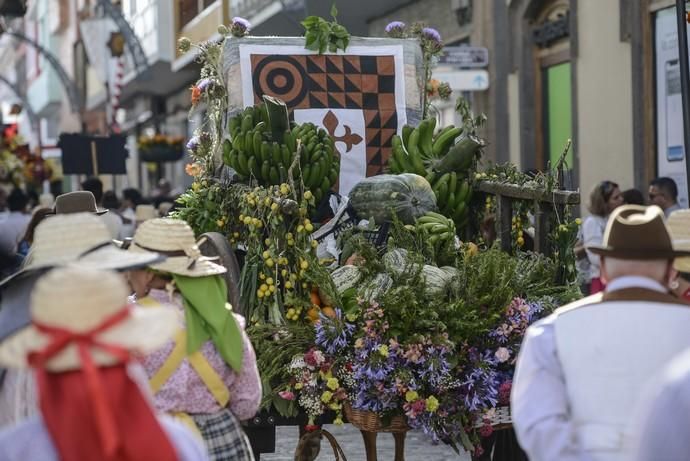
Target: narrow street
{"type": "Point", "coordinates": [417, 446]}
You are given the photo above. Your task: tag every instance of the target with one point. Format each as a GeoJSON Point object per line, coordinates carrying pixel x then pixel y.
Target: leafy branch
{"type": "Point", "coordinates": [322, 35]}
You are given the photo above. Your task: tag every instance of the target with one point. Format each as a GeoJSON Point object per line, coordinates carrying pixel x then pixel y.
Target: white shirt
{"type": "Point", "coordinates": [539, 403]}
{"type": "Point", "coordinates": [12, 229]}
{"type": "Point", "coordinates": [664, 417]}
{"type": "Point", "coordinates": [113, 223]}
{"type": "Point", "coordinates": [593, 234]}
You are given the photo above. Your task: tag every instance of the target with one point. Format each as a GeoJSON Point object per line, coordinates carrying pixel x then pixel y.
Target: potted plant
{"type": "Point", "coordinates": [160, 148]}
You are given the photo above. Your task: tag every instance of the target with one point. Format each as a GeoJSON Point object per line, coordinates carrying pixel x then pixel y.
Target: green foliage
{"type": "Point", "coordinates": [322, 35]}
{"type": "Point", "coordinates": [275, 347]}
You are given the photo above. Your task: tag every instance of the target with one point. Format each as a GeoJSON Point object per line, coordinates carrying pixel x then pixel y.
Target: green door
{"type": "Point", "coordinates": [559, 112]}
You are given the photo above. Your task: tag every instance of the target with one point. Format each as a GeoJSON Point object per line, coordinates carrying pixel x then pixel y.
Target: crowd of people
{"type": "Point", "coordinates": [121, 354]}
{"type": "Point", "coordinates": [20, 213]}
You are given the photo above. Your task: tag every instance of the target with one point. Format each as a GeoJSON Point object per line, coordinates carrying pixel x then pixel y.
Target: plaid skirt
{"type": "Point", "coordinates": [223, 435]}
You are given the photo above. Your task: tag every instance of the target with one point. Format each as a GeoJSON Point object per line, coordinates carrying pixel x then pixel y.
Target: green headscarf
{"type": "Point", "coordinates": [207, 317]}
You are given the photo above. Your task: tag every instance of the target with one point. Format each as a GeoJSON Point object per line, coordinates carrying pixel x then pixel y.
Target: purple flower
{"type": "Point", "coordinates": [431, 34]}
{"type": "Point", "coordinates": [193, 144]}
{"type": "Point", "coordinates": [333, 334]}
{"type": "Point", "coordinates": [204, 84]}
{"type": "Point", "coordinates": [396, 29]}
{"type": "Point", "coordinates": [240, 26]}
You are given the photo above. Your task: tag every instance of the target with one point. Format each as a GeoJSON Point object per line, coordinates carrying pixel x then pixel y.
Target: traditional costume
{"type": "Point", "coordinates": [207, 376]}
{"type": "Point", "coordinates": [60, 240]}
{"type": "Point", "coordinates": [581, 370]}
{"type": "Point", "coordinates": [91, 407]}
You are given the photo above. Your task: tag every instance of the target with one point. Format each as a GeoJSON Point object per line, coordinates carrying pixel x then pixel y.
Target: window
{"type": "Point", "coordinates": [189, 9]}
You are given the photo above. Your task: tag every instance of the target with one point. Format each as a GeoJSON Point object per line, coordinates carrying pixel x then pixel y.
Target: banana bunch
{"type": "Point", "coordinates": [264, 144]}
{"type": "Point", "coordinates": [438, 227]}
{"type": "Point", "coordinates": [445, 160]}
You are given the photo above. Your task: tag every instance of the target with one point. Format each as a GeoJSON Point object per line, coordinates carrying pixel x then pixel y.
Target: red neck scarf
{"type": "Point", "coordinates": [96, 412]}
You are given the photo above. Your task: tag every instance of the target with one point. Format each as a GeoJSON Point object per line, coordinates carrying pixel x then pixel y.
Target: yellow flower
{"type": "Point", "coordinates": [338, 421]}
{"type": "Point", "coordinates": [520, 241]}
{"type": "Point", "coordinates": [411, 396]}
{"type": "Point", "coordinates": [263, 287]}
{"type": "Point", "coordinates": [269, 280]}
{"type": "Point", "coordinates": [195, 186]}
{"type": "Point", "coordinates": [334, 406]}
{"type": "Point", "coordinates": [298, 386]}
{"type": "Point", "coordinates": [383, 350]}
{"type": "Point", "coordinates": [304, 264]}
{"type": "Point", "coordinates": [288, 285]}
{"type": "Point", "coordinates": [274, 207]}
{"type": "Point", "coordinates": [326, 396]}
{"type": "Point", "coordinates": [220, 222]}
{"type": "Point", "coordinates": [332, 384]}
{"type": "Point", "coordinates": [578, 221]}
{"type": "Point", "coordinates": [431, 404]}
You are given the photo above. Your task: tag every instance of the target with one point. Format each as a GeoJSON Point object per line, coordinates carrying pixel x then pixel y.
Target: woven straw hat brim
{"type": "Point", "coordinates": [180, 265]}
{"type": "Point", "coordinates": [173, 236]}
{"type": "Point", "coordinates": [144, 331]}
{"type": "Point", "coordinates": [113, 258]}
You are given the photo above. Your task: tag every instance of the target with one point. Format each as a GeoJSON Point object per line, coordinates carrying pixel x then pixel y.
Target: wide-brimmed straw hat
{"type": "Point", "coordinates": [174, 239]}
{"type": "Point", "coordinates": [81, 201]}
{"type": "Point", "coordinates": [637, 232]}
{"type": "Point", "coordinates": [144, 213]}
{"type": "Point", "coordinates": [679, 226]}
{"type": "Point", "coordinates": [83, 238]}
{"type": "Point", "coordinates": [79, 300]}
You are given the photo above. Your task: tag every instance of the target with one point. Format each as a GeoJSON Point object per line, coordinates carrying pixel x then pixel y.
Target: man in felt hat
{"type": "Point", "coordinates": [93, 396]}
{"type": "Point", "coordinates": [580, 371]}
{"type": "Point", "coordinates": [61, 240]}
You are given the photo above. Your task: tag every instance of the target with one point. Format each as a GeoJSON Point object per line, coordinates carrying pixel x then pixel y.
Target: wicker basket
{"type": "Point", "coordinates": [369, 421]}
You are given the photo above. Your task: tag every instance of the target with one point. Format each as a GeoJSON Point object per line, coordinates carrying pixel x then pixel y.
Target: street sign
{"type": "Point", "coordinates": [464, 56]}
{"type": "Point", "coordinates": [465, 80]}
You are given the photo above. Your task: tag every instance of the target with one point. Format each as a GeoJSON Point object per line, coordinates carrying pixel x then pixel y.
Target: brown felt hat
{"type": "Point", "coordinates": [81, 201]}
{"type": "Point", "coordinates": [637, 232]}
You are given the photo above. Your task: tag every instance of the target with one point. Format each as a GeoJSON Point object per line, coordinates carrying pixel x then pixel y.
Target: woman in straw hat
{"type": "Point", "coordinates": [207, 376]}
{"type": "Point", "coordinates": [58, 241]}
{"type": "Point", "coordinates": [679, 226]}
{"type": "Point", "coordinates": [92, 407]}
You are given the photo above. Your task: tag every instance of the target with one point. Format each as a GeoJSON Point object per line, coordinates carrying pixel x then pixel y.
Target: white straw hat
{"type": "Point", "coordinates": [79, 300]}
{"type": "Point", "coordinates": [174, 239]}
{"type": "Point", "coordinates": [83, 237]}
{"type": "Point", "coordinates": [678, 224]}
{"type": "Point", "coordinates": [144, 213]}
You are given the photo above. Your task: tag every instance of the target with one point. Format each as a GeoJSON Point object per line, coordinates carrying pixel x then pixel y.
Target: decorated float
{"type": "Point", "coordinates": [387, 273]}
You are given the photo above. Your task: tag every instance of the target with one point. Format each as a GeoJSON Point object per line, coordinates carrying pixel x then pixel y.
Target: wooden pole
{"type": "Point", "coordinates": [684, 80]}
{"type": "Point", "coordinates": [94, 158]}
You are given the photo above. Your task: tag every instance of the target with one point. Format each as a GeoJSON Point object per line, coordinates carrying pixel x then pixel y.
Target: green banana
{"type": "Point", "coordinates": [273, 175]}
{"type": "Point", "coordinates": [265, 149]}
{"type": "Point", "coordinates": [464, 192]}
{"type": "Point", "coordinates": [251, 165]}
{"type": "Point", "coordinates": [415, 156]}
{"type": "Point", "coordinates": [234, 125]}
{"type": "Point", "coordinates": [444, 140]}
{"type": "Point", "coordinates": [257, 141]}
{"type": "Point", "coordinates": [249, 144]}
{"type": "Point", "coordinates": [306, 171]}
{"type": "Point", "coordinates": [333, 175]}
{"type": "Point", "coordinates": [275, 154]}
{"type": "Point", "coordinates": [426, 137]}
{"type": "Point", "coordinates": [247, 123]}
{"type": "Point", "coordinates": [289, 141]}
{"type": "Point", "coordinates": [265, 170]}
{"type": "Point", "coordinates": [401, 154]}
{"type": "Point", "coordinates": [286, 156]}
{"type": "Point", "coordinates": [406, 132]}
{"type": "Point", "coordinates": [243, 167]}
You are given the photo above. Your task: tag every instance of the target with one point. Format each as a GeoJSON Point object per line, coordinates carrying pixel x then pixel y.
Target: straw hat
{"type": "Point", "coordinates": [637, 232]}
{"type": "Point", "coordinates": [79, 300]}
{"type": "Point", "coordinates": [81, 201]}
{"type": "Point", "coordinates": [82, 237]}
{"type": "Point", "coordinates": [679, 226]}
{"type": "Point", "coordinates": [144, 213]}
{"type": "Point", "coordinates": [174, 239]}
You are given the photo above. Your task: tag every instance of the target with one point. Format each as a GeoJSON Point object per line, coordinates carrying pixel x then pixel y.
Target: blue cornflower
{"type": "Point", "coordinates": [333, 334]}
{"type": "Point", "coordinates": [395, 29]}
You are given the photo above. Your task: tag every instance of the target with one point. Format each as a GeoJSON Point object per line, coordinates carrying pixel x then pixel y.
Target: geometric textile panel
{"type": "Point", "coordinates": [357, 97]}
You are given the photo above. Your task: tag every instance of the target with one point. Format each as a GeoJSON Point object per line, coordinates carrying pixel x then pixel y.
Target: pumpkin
{"type": "Point", "coordinates": [376, 287]}
{"type": "Point", "coordinates": [346, 277]}
{"type": "Point", "coordinates": [436, 280]}
{"type": "Point", "coordinates": [397, 261]}
{"type": "Point", "coordinates": [407, 196]}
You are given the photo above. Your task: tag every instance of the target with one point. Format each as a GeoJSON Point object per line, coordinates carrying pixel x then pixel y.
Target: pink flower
{"type": "Point", "coordinates": [287, 395]}
{"type": "Point", "coordinates": [486, 430]}
{"type": "Point", "coordinates": [502, 354]}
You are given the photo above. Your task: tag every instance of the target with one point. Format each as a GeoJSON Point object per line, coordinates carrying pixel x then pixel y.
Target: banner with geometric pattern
{"type": "Point", "coordinates": [359, 97]}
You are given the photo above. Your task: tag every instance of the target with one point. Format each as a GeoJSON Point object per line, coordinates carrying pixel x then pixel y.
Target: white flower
{"type": "Point", "coordinates": [502, 354]}
{"type": "Point", "coordinates": [319, 357]}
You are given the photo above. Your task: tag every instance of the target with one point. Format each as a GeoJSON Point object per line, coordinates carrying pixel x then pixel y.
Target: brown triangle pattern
{"type": "Point", "coordinates": [336, 61]}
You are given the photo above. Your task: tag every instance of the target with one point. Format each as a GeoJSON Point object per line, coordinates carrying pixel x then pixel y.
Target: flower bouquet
{"type": "Point", "coordinates": [160, 148]}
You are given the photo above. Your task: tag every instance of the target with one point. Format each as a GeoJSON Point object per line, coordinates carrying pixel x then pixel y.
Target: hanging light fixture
{"type": "Point", "coordinates": [12, 7]}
